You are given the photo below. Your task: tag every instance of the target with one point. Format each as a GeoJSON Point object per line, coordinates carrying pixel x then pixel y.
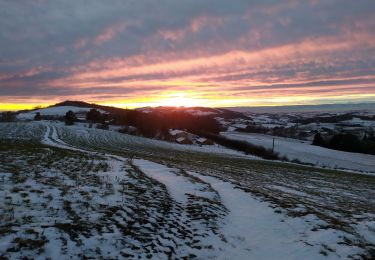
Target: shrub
{"type": "Point", "coordinates": [70, 118]}
{"type": "Point", "coordinates": [318, 140]}
{"type": "Point", "coordinates": [94, 116]}
{"type": "Point", "coordinates": [243, 146]}
{"type": "Point", "coordinates": [8, 116]}
{"type": "Point", "coordinates": [37, 117]}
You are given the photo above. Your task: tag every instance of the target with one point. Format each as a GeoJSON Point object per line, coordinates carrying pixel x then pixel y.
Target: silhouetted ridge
{"type": "Point", "coordinates": [108, 109]}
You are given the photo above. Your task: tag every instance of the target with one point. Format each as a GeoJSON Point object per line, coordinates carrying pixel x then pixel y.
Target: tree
{"type": "Point", "coordinates": [8, 117]}
{"type": "Point", "coordinates": [370, 135]}
{"type": "Point", "coordinates": [104, 125]}
{"type": "Point", "coordinates": [345, 142]}
{"type": "Point", "coordinates": [70, 118]}
{"type": "Point", "coordinates": [37, 116]}
{"type": "Point", "coordinates": [318, 140]}
{"type": "Point", "coordinates": [94, 116]}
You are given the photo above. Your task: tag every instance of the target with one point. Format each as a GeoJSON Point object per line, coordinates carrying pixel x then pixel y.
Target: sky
{"type": "Point", "coordinates": [135, 53]}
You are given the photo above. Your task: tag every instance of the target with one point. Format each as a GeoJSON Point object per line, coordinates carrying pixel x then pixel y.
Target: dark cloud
{"type": "Point", "coordinates": [44, 43]}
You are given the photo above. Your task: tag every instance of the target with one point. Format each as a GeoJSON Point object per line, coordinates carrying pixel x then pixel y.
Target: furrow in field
{"type": "Point", "coordinates": [295, 208]}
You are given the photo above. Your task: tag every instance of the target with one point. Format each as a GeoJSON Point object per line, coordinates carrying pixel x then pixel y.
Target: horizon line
{"type": "Point", "coordinates": [21, 107]}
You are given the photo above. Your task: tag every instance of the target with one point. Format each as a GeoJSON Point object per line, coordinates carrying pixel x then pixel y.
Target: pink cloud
{"type": "Point", "coordinates": [81, 43]}
{"type": "Point", "coordinates": [110, 33]}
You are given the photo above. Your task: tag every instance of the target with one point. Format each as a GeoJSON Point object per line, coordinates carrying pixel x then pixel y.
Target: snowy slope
{"type": "Point", "coordinates": [365, 123]}
{"type": "Point", "coordinates": [53, 111]}
{"type": "Point", "coordinates": [305, 152]}
{"type": "Point", "coordinates": [198, 112]}
{"type": "Point", "coordinates": [156, 207]}
{"type": "Point", "coordinates": [251, 229]}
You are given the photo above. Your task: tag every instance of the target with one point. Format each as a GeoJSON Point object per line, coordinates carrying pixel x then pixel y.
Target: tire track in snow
{"type": "Point", "coordinates": [192, 222]}
{"type": "Point", "coordinates": [255, 231]}
{"type": "Point", "coordinates": [51, 137]}
{"type": "Point", "coordinates": [251, 228]}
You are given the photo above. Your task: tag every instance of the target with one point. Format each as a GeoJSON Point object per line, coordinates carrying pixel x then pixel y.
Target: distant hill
{"type": "Point", "coordinates": [61, 108]}
{"type": "Point", "coordinates": [54, 112]}
{"type": "Point", "coordinates": [83, 104]}
{"type": "Point", "coordinates": [198, 111]}
{"type": "Point", "coordinates": [307, 108]}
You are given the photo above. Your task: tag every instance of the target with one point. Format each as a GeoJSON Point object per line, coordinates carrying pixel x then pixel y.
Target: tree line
{"type": "Point", "coordinates": [243, 146]}
{"type": "Point", "coordinates": [151, 124]}
{"type": "Point", "coordinates": [347, 142]}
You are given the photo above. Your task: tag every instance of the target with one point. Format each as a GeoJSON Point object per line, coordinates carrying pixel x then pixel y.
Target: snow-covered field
{"type": "Point", "coordinates": [75, 192]}
{"type": "Point", "coordinates": [53, 111]}
{"type": "Point", "coordinates": [305, 152]}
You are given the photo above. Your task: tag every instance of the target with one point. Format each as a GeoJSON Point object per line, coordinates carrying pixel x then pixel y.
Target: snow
{"type": "Point", "coordinates": [254, 231]}
{"type": "Point", "coordinates": [53, 111]}
{"type": "Point", "coordinates": [199, 113]}
{"type": "Point", "coordinates": [180, 139]}
{"type": "Point", "coordinates": [119, 139]}
{"type": "Point", "coordinates": [51, 138]}
{"type": "Point", "coordinates": [305, 152]}
{"type": "Point", "coordinates": [356, 120]}
{"type": "Point", "coordinates": [287, 190]}
{"type": "Point", "coordinates": [45, 212]}
{"type": "Point", "coordinates": [177, 185]}
{"type": "Point", "coordinates": [201, 140]}
{"type": "Point", "coordinates": [367, 230]}
{"type": "Point", "coordinates": [273, 125]}
{"type": "Point", "coordinates": [251, 229]}
{"type": "Point", "coordinates": [175, 132]}
{"type": "Point", "coordinates": [145, 110]}
{"type": "Point", "coordinates": [239, 125]}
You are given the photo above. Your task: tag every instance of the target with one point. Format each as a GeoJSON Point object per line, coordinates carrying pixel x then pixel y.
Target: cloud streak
{"type": "Point", "coordinates": [241, 51]}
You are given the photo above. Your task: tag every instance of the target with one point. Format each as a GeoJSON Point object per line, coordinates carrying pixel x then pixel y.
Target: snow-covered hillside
{"type": "Point", "coordinates": [53, 111]}
{"type": "Point", "coordinates": [305, 152]}
{"type": "Point", "coordinates": [77, 192]}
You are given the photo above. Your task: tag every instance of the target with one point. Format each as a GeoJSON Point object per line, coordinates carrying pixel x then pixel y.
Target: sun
{"type": "Point", "coordinates": [175, 99]}
{"type": "Point", "coordinates": [180, 99]}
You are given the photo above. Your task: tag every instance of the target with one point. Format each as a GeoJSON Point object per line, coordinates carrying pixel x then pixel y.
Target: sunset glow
{"type": "Point", "coordinates": [180, 100]}
{"type": "Point", "coordinates": [187, 129]}
{"type": "Point", "coordinates": [251, 54]}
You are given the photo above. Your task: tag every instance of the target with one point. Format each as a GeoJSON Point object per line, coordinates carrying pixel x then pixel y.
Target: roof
{"type": "Point", "coordinates": [175, 131]}
{"type": "Point", "coordinates": [180, 139]}
{"type": "Point", "coordinates": [201, 140]}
